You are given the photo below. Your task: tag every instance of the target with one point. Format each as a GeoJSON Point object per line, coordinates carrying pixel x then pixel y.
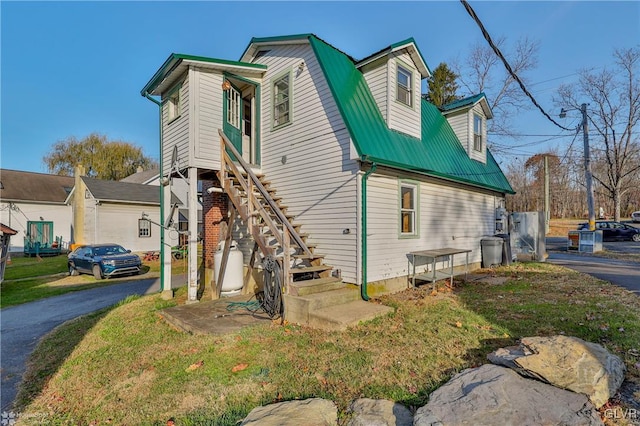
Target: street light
{"type": "Point", "coordinates": [587, 164]}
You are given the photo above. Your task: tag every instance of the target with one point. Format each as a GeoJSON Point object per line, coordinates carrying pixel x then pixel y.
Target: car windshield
{"type": "Point", "coordinates": [107, 250]}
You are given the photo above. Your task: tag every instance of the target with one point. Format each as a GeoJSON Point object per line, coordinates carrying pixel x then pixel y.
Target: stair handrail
{"type": "Point", "coordinates": [265, 194]}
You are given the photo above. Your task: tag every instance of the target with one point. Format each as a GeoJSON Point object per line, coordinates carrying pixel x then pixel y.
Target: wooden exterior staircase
{"type": "Point", "coordinates": [313, 295]}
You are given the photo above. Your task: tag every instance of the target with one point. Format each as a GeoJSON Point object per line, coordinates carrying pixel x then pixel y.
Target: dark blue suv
{"type": "Point", "coordinates": [614, 231]}
{"type": "Point", "coordinates": [103, 260]}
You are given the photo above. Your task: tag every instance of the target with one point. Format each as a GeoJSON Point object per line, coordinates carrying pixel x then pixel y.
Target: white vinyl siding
{"type": "Point", "coordinates": [207, 118]}
{"type": "Point", "coordinates": [376, 79]}
{"type": "Point", "coordinates": [60, 215]}
{"type": "Point", "coordinates": [118, 223]}
{"type": "Point", "coordinates": [175, 132]}
{"type": "Point", "coordinates": [402, 117]}
{"type": "Point", "coordinates": [462, 123]}
{"type": "Point", "coordinates": [450, 216]}
{"type": "Point", "coordinates": [317, 180]}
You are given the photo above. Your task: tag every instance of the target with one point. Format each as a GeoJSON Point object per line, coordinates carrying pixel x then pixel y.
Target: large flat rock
{"type": "Point", "coordinates": [493, 395]}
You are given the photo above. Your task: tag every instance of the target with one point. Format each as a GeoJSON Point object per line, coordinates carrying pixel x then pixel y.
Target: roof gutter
{"type": "Point", "coordinates": [363, 236]}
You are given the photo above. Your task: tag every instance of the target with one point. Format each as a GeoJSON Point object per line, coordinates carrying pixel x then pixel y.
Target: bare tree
{"type": "Point", "coordinates": [613, 98]}
{"type": "Point", "coordinates": [482, 71]}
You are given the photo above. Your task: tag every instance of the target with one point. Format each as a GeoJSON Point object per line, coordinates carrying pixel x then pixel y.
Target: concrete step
{"type": "Point", "coordinates": [298, 308]}
{"type": "Point", "coordinates": [340, 317]}
{"type": "Point", "coordinates": [318, 285]}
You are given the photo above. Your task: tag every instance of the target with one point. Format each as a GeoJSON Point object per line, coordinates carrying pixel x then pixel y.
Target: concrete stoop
{"type": "Point", "coordinates": [332, 310]}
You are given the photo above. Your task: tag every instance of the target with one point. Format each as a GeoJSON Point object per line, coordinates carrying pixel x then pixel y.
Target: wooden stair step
{"type": "Point", "coordinates": [310, 269]}
{"type": "Point", "coordinates": [305, 256]}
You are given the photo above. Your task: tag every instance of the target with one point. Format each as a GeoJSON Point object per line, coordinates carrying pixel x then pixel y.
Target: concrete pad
{"type": "Point", "coordinates": [222, 316]}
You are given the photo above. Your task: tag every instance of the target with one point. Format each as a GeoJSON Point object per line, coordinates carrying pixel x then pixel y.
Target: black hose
{"type": "Point", "coordinates": [271, 296]}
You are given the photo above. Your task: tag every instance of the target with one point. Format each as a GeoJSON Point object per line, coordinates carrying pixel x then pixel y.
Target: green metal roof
{"type": "Point", "coordinates": [459, 103]}
{"type": "Point", "coordinates": [418, 58]}
{"type": "Point", "coordinates": [438, 153]}
{"type": "Point", "coordinates": [174, 60]}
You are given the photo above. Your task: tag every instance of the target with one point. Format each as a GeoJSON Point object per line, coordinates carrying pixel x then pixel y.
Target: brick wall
{"type": "Point", "coordinates": [214, 211]}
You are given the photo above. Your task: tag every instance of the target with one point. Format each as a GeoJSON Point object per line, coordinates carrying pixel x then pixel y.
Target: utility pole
{"type": "Point", "coordinates": [547, 209]}
{"type": "Point", "coordinates": [587, 169]}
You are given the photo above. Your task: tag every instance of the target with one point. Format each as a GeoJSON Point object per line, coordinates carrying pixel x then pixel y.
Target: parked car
{"type": "Point", "coordinates": [614, 231]}
{"type": "Point", "coordinates": [103, 260]}
{"type": "Point", "coordinates": [635, 216]}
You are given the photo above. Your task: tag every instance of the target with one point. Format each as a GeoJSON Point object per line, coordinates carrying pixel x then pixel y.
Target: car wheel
{"type": "Point", "coordinates": [73, 271]}
{"type": "Point", "coordinates": [97, 272]}
{"type": "Point", "coordinates": [636, 238]}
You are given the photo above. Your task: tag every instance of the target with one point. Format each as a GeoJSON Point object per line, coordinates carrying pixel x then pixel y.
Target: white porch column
{"type": "Point", "coordinates": [192, 278]}
{"type": "Point", "coordinates": [167, 290]}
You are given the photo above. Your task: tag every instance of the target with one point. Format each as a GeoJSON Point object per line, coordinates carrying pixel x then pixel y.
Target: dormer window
{"type": "Point", "coordinates": [477, 132]}
{"type": "Point", "coordinates": [404, 86]}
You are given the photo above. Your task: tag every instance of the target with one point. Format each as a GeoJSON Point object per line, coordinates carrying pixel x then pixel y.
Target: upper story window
{"type": "Point", "coordinates": [282, 100]}
{"type": "Point", "coordinates": [408, 210]}
{"type": "Point", "coordinates": [173, 104]}
{"type": "Point", "coordinates": [403, 92]}
{"type": "Point", "coordinates": [477, 132]}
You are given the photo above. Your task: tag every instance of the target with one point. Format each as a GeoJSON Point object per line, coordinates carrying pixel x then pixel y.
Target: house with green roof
{"type": "Point", "coordinates": [334, 167]}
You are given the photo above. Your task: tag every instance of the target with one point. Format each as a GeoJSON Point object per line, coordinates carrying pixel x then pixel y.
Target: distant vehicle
{"type": "Point", "coordinates": [635, 216]}
{"type": "Point", "coordinates": [103, 260]}
{"type": "Point", "coordinates": [614, 231]}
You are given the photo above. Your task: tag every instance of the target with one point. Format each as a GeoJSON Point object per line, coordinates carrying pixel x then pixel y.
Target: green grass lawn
{"type": "Point", "coordinates": [126, 366]}
{"type": "Point", "coordinates": [28, 279]}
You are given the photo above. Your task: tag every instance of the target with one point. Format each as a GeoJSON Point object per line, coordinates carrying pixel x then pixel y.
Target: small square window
{"type": "Point", "coordinates": [173, 104]}
{"type": "Point", "coordinates": [408, 209]}
{"type": "Point", "coordinates": [144, 228]}
{"type": "Point", "coordinates": [404, 86]}
{"type": "Point", "coordinates": [477, 132]}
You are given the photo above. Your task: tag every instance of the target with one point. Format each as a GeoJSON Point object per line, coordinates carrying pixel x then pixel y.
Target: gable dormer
{"type": "Point", "coordinates": [468, 119]}
{"type": "Point", "coordinates": [394, 76]}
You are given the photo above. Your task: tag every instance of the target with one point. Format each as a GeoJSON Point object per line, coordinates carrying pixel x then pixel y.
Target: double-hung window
{"type": "Point", "coordinates": [144, 228]}
{"type": "Point", "coordinates": [282, 100]}
{"type": "Point", "coordinates": [408, 209]}
{"type": "Point", "coordinates": [477, 132]}
{"type": "Point", "coordinates": [403, 92]}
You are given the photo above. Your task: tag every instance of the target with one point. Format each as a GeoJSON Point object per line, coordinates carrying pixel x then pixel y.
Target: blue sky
{"type": "Point", "coordinates": [73, 68]}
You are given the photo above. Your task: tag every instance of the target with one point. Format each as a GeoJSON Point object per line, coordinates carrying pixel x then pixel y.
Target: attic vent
{"type": "Point", "coordinates": [260, 54]}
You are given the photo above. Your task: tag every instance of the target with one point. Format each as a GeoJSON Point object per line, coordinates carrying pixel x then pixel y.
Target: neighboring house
{"type": "Point", "coordinates": [112, 212]}
{"type": "Point", "coordinates": [180, 189]}
{"type": "Point", "coordinates": [364, 168]}
{"type": "Point", "coordinates": [5, 239]}
{"type": "Point", "coordinates": [35, 197]}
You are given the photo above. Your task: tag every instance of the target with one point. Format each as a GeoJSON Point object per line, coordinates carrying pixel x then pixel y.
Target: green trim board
{"type": "Point", "coordinates": [176, 58]}
{"type": "Point", "coordinates": [437, 153]}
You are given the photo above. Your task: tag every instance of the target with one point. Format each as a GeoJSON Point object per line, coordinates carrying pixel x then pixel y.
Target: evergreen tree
{"type": "Point", "coordinates": [442, 86]}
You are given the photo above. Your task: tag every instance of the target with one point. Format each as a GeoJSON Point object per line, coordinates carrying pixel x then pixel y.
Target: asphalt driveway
{"type": "Point", "coordinates": [22, 326]}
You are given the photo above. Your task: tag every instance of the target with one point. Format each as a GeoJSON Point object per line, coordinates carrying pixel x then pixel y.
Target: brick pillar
{"type": "Point", "coordinates": [214, 211]}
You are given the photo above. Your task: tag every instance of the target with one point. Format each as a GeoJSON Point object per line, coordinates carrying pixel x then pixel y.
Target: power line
{"type": "Point", "coordinates": [497, 51]}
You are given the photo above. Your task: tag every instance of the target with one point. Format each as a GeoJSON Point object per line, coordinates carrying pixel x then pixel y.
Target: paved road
{"type": "Point", "coordinates": [623, 273]}
{"type": "Point", "coordinates": [22, 326]}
